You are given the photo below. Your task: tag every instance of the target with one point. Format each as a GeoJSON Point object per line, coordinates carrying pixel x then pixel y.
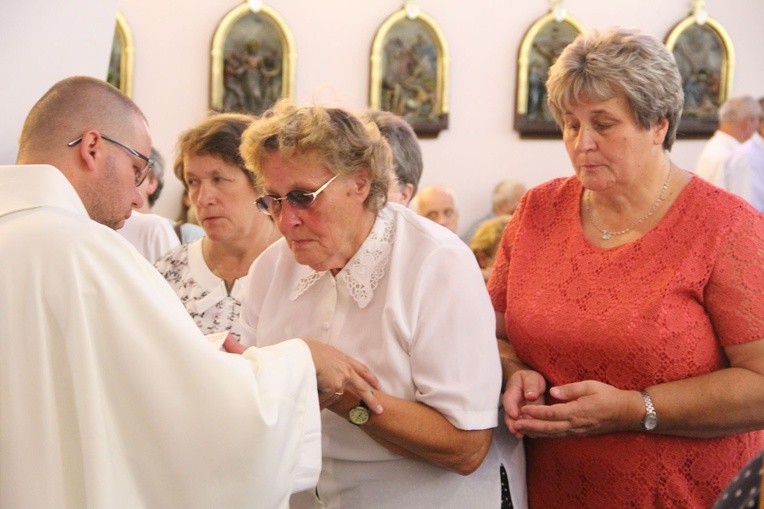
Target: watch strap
{"type": "Point", "coordinates": [650, 420]}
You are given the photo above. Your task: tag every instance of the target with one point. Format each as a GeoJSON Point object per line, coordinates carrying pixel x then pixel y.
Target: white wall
{"type": "Point", "coordinates": [42, 42]}
{"type": "Point", "coordinates": [333, 39]}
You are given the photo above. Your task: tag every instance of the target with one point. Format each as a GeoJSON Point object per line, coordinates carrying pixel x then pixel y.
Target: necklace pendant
{"type": "Point", "coordinates": [606, 235]}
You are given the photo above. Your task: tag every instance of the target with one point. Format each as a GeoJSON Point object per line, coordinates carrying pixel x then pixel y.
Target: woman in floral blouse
{"type": "Point", "coordinates": [208, 274]}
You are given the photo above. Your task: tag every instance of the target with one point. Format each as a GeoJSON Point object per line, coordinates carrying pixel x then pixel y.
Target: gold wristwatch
{"type": "Point", "coordinates": [360, 414]}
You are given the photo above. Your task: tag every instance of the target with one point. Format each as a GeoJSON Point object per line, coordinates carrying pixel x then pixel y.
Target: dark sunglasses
{"type": "Point", "coordinates": [271, 205]}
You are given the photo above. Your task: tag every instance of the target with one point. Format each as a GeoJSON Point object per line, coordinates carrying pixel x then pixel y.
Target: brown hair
{"type": "Point", "coordinates": [217, 135]}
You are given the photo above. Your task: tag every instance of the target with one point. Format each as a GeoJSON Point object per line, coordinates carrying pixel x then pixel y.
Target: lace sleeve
{"type": "Point", "coordinates": [735, 292]}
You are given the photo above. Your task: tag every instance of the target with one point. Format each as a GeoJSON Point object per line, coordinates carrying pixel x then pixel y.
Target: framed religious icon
{"type": "Point", "coordinates": [120, 73]}
{"type": "Point", "coordinates": [409, 71]}
{"type": "Point", "coordinates": [252, 61]}
{"type": "Point", "coordinates": [540, 47]}
{"type": "Point", "coordinates": [705, 57]}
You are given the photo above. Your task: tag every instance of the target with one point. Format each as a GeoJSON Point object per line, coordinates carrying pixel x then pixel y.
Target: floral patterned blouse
{"type": "Point", "coordinates": [202, 293]}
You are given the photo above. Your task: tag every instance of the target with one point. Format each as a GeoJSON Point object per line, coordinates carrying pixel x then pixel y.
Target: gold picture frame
{"type": "Point", "coordinates": [541, 45]}
{"type": "Point", "coordinates": [252, 61]}
{"type": "Point", "coordinates": [706, 60]}
{"type": "Point", "coordinates": [120, 72]}
{"type": "Point", "coordinates": [409, 71]}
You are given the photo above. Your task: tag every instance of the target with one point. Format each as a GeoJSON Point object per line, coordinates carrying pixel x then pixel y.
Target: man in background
{"type": "Point", "coordinates": [437, 204]}
{"type": "Point", "coordinates": [504, 200]}
{"type": "Point", "coordinates": [738, 119]}
{"type": "Point", "coordinates": [151, 234]}
{"type": "Point", "coordinates": [407, 154]}
{"type": "Point", "coordinates": [745, 169]}
{"type": "Point", "coordinates": [110, 396]}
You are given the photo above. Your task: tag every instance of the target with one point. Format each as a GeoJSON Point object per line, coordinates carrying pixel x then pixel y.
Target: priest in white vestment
{"type": "Point", "coordinates": [110, 396]}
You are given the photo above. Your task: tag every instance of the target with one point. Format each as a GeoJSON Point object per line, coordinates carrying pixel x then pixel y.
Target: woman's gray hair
{"type": "Point", "coordinates": [598, 66]}
{"type": "Point", "coordinates": [344, 143]}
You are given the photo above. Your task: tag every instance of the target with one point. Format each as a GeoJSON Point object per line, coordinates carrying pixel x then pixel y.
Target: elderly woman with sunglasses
{"type": "Point", "coordinates": [208, 274]}
{"type": "Point", "coordinates": [391, 289]}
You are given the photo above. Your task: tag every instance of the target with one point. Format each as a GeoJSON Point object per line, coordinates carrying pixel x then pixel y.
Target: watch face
{"type": "Point", "coordinates": [651, 421]}
{"type": "Point", "coordinates": [359, 415]}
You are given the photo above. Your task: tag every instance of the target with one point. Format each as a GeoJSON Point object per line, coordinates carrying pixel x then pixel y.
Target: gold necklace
{"type": "Point", "coordinates": [607, 234]}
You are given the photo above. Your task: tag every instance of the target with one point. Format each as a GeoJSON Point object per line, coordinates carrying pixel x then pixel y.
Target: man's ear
{"type": "Point", "coordinates": [92, 150]}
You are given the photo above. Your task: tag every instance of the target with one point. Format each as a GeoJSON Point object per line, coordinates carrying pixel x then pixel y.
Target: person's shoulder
{"type": "Point", "coordinates": [555, 185]}
{"type": "Point", "coordinates": [424, 243]}
{"type": "Point", "coordinates": [749, 149]}
{"type": "Point", "coordinates": [718, 146]}
{"type": "Point", "coordinates": [69, 237]}
{"type": "Point", "coordinates": [717, 207]}
{"type": "Point", "coordinates": [277, 255]}
{"type": "Point", "coordinates": [419, 229]}
{"type": "Point", "coordinates": [177, 254]}
{"type": "Point", "coordinates": [554, 191]}
{"type": "Point", "coordinates": [150, 221]}
{"type": "Point", "coordinates": [63, 227]}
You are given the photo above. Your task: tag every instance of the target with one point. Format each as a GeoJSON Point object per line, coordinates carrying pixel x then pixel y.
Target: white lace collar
{"type": "Point", "coordinates": [364, 270]}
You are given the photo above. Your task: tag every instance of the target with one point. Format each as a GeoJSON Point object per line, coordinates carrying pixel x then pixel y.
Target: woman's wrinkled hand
{"type": "Point", "coordinates": [525, 387]}
{"type": "Point", "coordinates": [337, 373]}
{"type": "Point", "coordinates": [586, 408]}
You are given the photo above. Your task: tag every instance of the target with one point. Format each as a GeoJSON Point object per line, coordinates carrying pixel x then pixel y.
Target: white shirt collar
{"type": "Point", "coordinates": [365, 269]}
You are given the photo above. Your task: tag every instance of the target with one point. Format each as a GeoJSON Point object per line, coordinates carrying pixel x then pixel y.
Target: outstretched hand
{"type": "Point", "coordinates": [338, 372]}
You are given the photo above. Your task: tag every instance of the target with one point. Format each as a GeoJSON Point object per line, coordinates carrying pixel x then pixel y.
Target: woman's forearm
{"type": "Point", "coordinates": [410, 428]}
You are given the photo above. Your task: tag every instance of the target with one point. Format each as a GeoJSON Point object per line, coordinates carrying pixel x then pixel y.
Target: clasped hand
{"type": "Point", "coordinates": [585, 408]}
{"type": "Point", "coordinates": [336, 372]}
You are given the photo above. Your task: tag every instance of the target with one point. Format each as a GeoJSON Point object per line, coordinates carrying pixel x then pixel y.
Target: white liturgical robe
{"type": "Point", "coordinates": [110, 396]}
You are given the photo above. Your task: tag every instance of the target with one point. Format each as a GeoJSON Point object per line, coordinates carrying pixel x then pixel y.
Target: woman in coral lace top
{"type": "Point", "coordinates": [632, 299]}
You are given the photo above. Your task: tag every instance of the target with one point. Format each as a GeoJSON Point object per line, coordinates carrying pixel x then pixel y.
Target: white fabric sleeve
{"type": "Point", "coordinates": [308, 465]}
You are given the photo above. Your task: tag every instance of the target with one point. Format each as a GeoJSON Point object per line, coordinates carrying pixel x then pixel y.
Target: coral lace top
{"type": "Point", "coordinates": [655, 310]}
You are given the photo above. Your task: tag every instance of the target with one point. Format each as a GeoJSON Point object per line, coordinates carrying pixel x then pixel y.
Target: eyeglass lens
{"type": "Point", "coordinates": [140, 175]}
{"type": "Point", "coordinates": [298, 199]}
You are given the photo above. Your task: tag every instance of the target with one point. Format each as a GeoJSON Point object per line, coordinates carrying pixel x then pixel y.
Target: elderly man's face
{"type": "Point", "coordinates": [328, 233]}
{"type": "Point", "coordinates": [439, 206]}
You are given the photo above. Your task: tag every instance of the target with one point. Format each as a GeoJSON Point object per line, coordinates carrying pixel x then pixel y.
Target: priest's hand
{"type": "Point", "coordinates": [337, 372]}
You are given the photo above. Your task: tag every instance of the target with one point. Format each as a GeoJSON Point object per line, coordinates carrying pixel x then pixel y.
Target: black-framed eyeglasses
{"type": "Point", "coordinates": [271, 205]}
{"type": "Point", "coordinates": [141, 174]}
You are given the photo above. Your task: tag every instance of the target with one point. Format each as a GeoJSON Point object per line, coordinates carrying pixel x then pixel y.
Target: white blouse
{"type": "Point", "coordinates": [203, 294]}
{"type": "Point", "coordinates": [412, 305]}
